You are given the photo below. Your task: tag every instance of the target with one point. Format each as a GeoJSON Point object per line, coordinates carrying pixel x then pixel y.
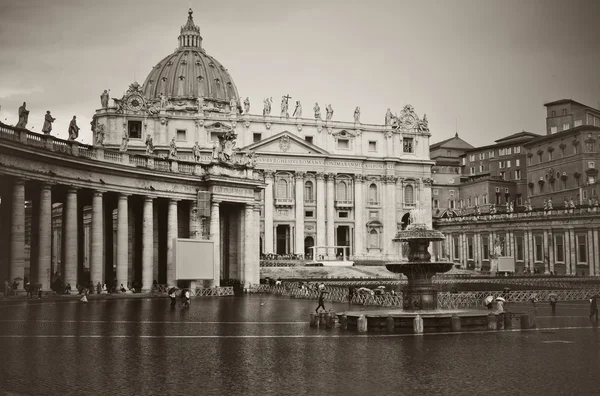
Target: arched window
{"type": "Point", "coordinates": [373, 194]}
{"type": "Point", "coordinates": [282, 188]}
{"type": "Point", "coordinates": [373, 239]}
{"type": "Point", "coordinates": [308, 191]}
{"type": "Point", "coordinates": [409, 195]}
{"type": "Point", "coordinates": [342, 191]}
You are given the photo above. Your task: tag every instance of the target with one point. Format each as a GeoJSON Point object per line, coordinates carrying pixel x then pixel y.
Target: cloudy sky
{"type": "Point", "coordinates": [487, 66]}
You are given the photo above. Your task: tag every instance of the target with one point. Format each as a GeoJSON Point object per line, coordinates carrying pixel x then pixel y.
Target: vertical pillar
{"type": "Point", "coordinates": [525, 248]}
{"type": "Point", "coordinates": [299, 246]}
{"type": "Point", "coordinates": [96, 261]}
{"type": "Point", "coordinates": [359, 216]}
{"type": "Point", "coordinates": [254, 276]}
{"type": "Point", "coordinates": [45, 237]}
{"type": "Point", "coordinates": [122, 241]}
{"type": "Point", "coordinates": [215, 237]}
{"type": "Point", "coordinates": [249, 248]}
{"type": "Point", "coordinates": [71, 239]}
{"type": "Point", "coordinates": [389, 212]}
{"type": "Point", "coordinates": [546, 248]}
{"type": "Point", "coordinates": [573, 246]}
{"type": "Point", "coordinates": [17, 233]}
{"type": "Point", "coordinates": [321, 233]}
{"type": "Point", "coordinates": [269, 229]}
{"type": "Point", "coordinates": [567, 252]}
{"type": "Point", "coordinates": [590, 253]}
{"type": "Point", "coordinates": [195, 222]}
{"type": "Point", "coordinates": [330, 213]}
{"type": "Point", "coordinates": [596, 251]}
{"type": "Point", "coordinates": [148, 245]}
{"type": "Point", "coordinates": [172, 227]}
{"type": "Point", "coordinates": [551, 245]}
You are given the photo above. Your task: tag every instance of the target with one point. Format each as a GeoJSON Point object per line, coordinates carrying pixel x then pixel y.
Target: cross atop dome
{"type": "Point", "coordinates": [190, 33]}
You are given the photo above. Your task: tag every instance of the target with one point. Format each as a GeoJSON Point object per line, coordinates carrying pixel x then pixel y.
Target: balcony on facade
{"type": "Point", "coordinates": [340, 204]}
{"type": "Point", "coordinates": [284, 202]}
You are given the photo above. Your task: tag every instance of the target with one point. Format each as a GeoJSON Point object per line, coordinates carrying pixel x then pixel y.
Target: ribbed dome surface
{"type": "Point", "coordinates": [189, 72]}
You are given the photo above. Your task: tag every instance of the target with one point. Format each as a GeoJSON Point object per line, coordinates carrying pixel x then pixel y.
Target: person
{"type": "Point", "coordinates": [84, 298]}
{"type": "Point", "coordinates": [185, 296]}
{"type": "Point", "coordinates": [321, 303]}
{"type": "Point", "coordinates": [499, 306]}
{"type": "Point", "coordinates": [173, 298]}
{"type": "Point", "coordinates": [553, 304]}
{"type": "Point", "coordinates": [593, 309]}
{"type": "Point", "coordinates": [7, 287]}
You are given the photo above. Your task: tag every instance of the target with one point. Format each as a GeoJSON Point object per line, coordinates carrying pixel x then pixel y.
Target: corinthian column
{"type": "Point", "coordinates": [389, 212]}
{"type": "Point", "coordinates": [171, 236]}
{"type": "Point", "coordinates": [71, 238]}
{"type": "Point", "coordinates": [17, 233]}
{"type": "Point", "coordinates": [359, 216]}
{"type": "Point", "coordinates": [249, 241]}
{"type": "Point", "coordinates": [299, 248]}
{"type": "Point", "coordinates": [97, 238]}
{"type": "Point", "coordinates": [321, 235]}
{"type": "Point", "coordinates": [45, 237]}
{"type": "Point", "coordinates": [269, 238]}
{"type": "Point", "coordinates": [148, 244]}
{"type": "Point", "coordinates": [122, 241]}
{"type": "Point", "coordinates": [215, 236]}
{"type": "Point", "coordinates": [330, 213]}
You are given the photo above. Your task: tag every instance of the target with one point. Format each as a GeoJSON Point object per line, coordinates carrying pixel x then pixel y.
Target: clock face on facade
{"type": "Point", "coordinates": [135, 103]}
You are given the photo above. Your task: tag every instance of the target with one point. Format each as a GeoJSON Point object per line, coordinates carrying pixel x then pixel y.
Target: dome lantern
{"type": "Point", "coordinates": [190, 34]}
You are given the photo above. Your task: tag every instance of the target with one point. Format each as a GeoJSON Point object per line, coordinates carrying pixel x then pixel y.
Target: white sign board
{"type": "Point", "coordinates": [506, 264]}
{"type": "Point", "coordinates": [194, 259]}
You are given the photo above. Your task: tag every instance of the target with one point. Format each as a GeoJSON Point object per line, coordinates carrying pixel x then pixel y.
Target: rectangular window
{"type": "Point", "coordinates": [503, 175]}
{"type": "Point", "coordinates": [539, 249]}
{"type": "Point", "coordinates": [343, 215]}
{"type": "Point", "coordinates": [481, 168]}
{"type": "Point", "coordinates": [485, 200]}
{"type": "Point", "coordinates": [451, 204]}
{"type": "Point", "coordinates": [481, 156]}
{"type": "Point", "coordinates": [436, 204]}
{"type": "Point", "coordinates": [553, 114]}
{"type": "Point", "coordinates": [491, 154]}
{"type": "Point", "coordinates": [517, 162]}
{"type": "Point", "coordinates": [256, 137]}
{"type": "Point", "coordinates": [472, 157]}
{"type": "Point", "coordinates": [134, 128]}
{"type": "Point", "coordinates": [560, 250]}
{"type": "Point", "coordinates": [308, 139]}
{"type": "Point", "coordinates": [591, 165]}
{"type": "Point", "coordinates": [566, 126]}
{"type": "Point", "coordinates": [550, 156]}
{"type": "Point", "coordinates": [181, 135]}
{"type": "Point", "coordinates": [518, 150]}
{"type": "Point", "coordinates": [553, 129]}
{"type": "Point", "coordinates": [464, 160]}
{"type": "Point", "coordinates": [508, 164]}
{"type": "Point", "coordinates": [407, 145]}
{"type": "Point", "coordinates": [509, 151]}
{"type": "Point", "coordinates": [519, 200]}
{"type": "Point", "coordinates": [456, 249]}
{"type": "Point", "coordinates": [451, 192]}
{"type": "Point", "coordinates": [578, 123]}
{"type": "Point", "coordinates": [472, 170]}
{"type": "Point", "coordinates": [309, 213]}
{"type": "Point", "coordinates": [564, 112]}
{"type": "Point", "coordinates": [486, 247]}
{"type": "Point", "coordinates": [581, 249]}
{"type": "Point", "coordinates": [372, 145]}
{"type": "Point", "coordinates": [518, 174]}
{"type": "Point", "coordinates": [470, 247]}
{"type": "Point", "coordinates": [502, 152]}
{"type": "Point", "coordinates": [343, 144]}
{"type": "Point", "coordinates": [519, 243]}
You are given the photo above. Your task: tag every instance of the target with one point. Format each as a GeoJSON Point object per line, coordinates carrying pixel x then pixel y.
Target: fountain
{"type": "Point", "coordinates": [420, 293]}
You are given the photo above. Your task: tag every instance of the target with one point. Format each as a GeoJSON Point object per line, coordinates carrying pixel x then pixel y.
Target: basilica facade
{"type": "Point", "coordinates": [328, 182]}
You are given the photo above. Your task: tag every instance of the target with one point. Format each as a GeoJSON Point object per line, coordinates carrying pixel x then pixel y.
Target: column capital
{"type": "Point", "coordinates": [299, 175]}
{"type": "Point", "coordinates": [45, 185]}
{"type": "Point", "coordinates": [98, 193]}
{"type": "Point", "coordinates": [215, 202]}
{"type": "Point", "coordinates": [269, 174]}
{"type": "Point", "coordinates": [389, 179]}
{"type": "Point", "coordinates": [320, 176]}
{"type": "Point", "coordinates": [330, 177]}
{"type": "Point", "coordinates": [123, 196]}
{"type": "Point", "coordinates": [359, 178]}
{"type": "Point", "coordinates": [72, 190]}
{"type": "Point", "coordinates": [149, 198]}
{"type": "Point", "coordinates": [174, 200]}
{"type": "Point", "coordinates": [19, 181]}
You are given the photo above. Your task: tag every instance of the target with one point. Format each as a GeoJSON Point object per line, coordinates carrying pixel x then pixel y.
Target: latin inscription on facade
{"type": "Point", "coordinates": [283, 160]}
{"type": "Point", "coordinates": [245, 192]}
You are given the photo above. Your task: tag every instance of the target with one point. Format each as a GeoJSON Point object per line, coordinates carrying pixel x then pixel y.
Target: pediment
{"type": "Point", "coordinates": [218, 126]}
{"type": "Point", "coordinates": [285, 142]}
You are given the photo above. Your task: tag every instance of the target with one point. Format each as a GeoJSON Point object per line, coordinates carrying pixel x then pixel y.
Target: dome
{"type": "Point", "coordinates": [190, 72]}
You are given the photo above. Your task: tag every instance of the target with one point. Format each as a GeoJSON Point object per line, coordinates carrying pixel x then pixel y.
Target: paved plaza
{"type": "Point", "coordinates": [263, 345]}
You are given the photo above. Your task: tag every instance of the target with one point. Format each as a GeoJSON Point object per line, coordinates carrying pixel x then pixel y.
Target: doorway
{"type": "Point", "coordinates": [342, 239]}
{"type": "Point", "coordinates": [283, 239]}
{"type": "Point", "coordinates": [309, 242]}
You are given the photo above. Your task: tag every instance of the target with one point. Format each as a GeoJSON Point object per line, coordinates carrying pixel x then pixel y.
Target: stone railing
{"type": "Point", "coordinates": [534, 214]}
{"type": "Point", "coordinates": [98, 153]}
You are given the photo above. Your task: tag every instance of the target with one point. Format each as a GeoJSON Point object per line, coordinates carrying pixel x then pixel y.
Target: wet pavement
{"type": "Point", "coordinates": [263, 345]}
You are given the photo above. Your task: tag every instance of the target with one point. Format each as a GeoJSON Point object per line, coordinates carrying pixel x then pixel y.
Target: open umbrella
{"type": "Point", "coordinates": [381, 287]}
{"type": "Point", "coordinates": [500, 299]}
{"type": "Point", "coordinates": [488, 300]}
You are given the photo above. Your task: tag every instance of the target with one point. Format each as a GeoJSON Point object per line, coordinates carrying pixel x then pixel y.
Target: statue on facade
{"type": "Point", "coordinates": [511, 207]}
{"type": "Point", "coordinates": [477, 211]}
{"type": "Point", "coordinates": [196, 152]}
{"type": "Point", "coordinates": [497, 247]}
{"type": "Point", "coordinates": [104, 99]}
{"type": "Point", "coordinates": [124, 141]}
{"type": "Point", "coordinates": [153, 108]}
{"type": "Point", "coordinates": [596, 202]}
{"type": "Point", "coordinates": [233, 106]}
{"type": "Point", "coordinates": [329, 112]}
{"type": "Point", "coordinates": [571, 203]}
{"type": "Point", "coordinates": [119, 104]}
{"type": "Point", "coordinates": [73, 129]}
{"type": "Point", "coordinates": [423, 124]}
{"type": "Point", "coordinates": [247, 105]}
{"type": "Point", "coordinates": [545, 205]}
{"type": "Point", "coordinates": [267, 108]}
{"type": "Point", "coordinates": [357, 114]}
{"type": "Point", "coordinates": [285, 105]}
{"type": "Point", "coordinates": [48, 120]}
{"type": "Point", "coordinates": [200, 103]}
{"type": "Point", "coordinates": [507, 207]}
{"type": "Point", "coordinates": [149, 144]}
{"type": "Point", "coordinates": [566, 203]}
{"type": "Point", "coordinates": [227, 142]}
{"type": "Point", "coordinates": [163, 100]}
{"type": "Point", "coordinates": [215, 150]}
{"type": "Point", "coordinates": [388, 117]}
{"type": "Point", "coordinates": [23, 116]}
{"type": "Point", "coordinates": [172, 149]}
{"type": "Point", "coordinates": [250, 159]}
{"type": "Point", "coordinates": [317, 110]}
{"type": "Point", "coordinates": [298, 110]}
{"type": "Point", "coordinates": [100, 134]}
{"type": "Point", "coordinates": [549, 203]}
